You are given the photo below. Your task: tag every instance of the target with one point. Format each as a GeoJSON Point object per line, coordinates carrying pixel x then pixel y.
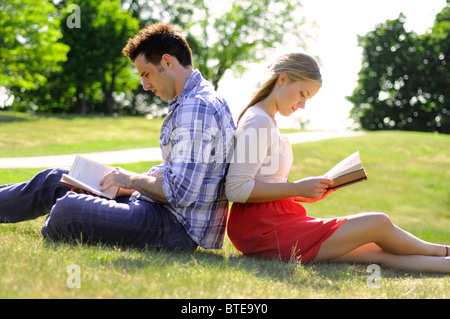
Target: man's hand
{"type": "Point", "coordinates": [128, 182]}
{"type": "Point", "coordinates": [118, 177]}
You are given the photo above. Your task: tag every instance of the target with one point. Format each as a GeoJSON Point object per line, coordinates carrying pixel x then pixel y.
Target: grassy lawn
{"type": "Point", "coordinates": [27, 135]}
{"type": "Point", "coordinates": [408, 180]}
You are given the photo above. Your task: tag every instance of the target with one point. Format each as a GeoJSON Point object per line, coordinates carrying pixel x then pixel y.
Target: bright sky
{"type": "Point", "coordinates": [335, 43]}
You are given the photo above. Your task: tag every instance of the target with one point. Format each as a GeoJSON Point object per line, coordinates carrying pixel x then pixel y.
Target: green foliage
{"type": "Point", "coordinates": [95, 63]}
{"type": "Point", "coordinates": [93, 74]}
{"type": "Point", "coordinates": [96, 77]}
{"type": "Point", "coordinates": [240, 35]}
{"type": "Point", "coordinates": [403, 83]}
{"type": "Point", "coordinates": [29, 43]}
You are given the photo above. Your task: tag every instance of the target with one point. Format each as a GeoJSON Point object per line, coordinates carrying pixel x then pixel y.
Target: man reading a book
{"type": "Point", "coordinates": [177, 205]}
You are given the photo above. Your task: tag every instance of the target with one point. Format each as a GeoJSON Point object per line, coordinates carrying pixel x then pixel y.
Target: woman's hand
{"type": "Point", "coordinates": [312, 189]}
{"type": "Point", "coordinates": [307, 189]}
{"type": "Point", "coordinates": [313, 200]}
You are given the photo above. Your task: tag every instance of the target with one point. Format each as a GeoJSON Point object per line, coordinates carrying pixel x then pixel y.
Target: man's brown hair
{"type": "Point", "coordinates": [156, 40]}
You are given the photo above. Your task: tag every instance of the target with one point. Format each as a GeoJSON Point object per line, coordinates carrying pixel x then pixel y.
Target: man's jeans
{"type": "Point", "coordinates": [87, 218]}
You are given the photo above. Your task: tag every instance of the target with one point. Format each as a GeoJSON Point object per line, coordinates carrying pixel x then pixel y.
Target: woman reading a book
{"type": "Point", "coordinates": [266, 218]}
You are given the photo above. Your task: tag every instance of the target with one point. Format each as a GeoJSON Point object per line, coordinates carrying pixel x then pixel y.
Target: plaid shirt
{"type": "Point", "coordinates": [195, 140]}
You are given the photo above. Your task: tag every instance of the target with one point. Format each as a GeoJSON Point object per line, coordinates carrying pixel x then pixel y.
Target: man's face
{"type": "Point", "coordinates": [157, 78]}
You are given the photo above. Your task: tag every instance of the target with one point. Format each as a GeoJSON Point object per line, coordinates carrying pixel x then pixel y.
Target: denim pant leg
{"type": "Point", "coordinates": [91, 219]}
{"type": "Point", "coordinates": [32, 199]}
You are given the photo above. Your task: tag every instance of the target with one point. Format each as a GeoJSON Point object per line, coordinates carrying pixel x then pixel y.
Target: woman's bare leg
{"type": "Point", "coordinates": [392, 246]}
{"type": "Point", "coordinates": [373, 254]}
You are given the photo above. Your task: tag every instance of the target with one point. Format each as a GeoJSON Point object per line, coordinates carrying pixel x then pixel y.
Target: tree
{"type": "Point", "coordinates": [240, 36]}
{"type": "Point", "coordinates": [220, 41]}
{"type": "Point", "coordinates": [95, 62]}
{"type": "Point", "coordinates": [30, 50]}
{"type": "Point", "coordinates": [96, 75]}
{"type": "Point", "coordinates": [437, 55]}
{"type": "Point", "coordinates": [403, 83]}
{"type": "Point", "coordinates": [228, 40]}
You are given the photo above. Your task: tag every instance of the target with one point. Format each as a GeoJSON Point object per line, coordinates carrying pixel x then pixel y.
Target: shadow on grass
{"type": "Point", "coordinates": [130, 259]}
{"type": "Point", "coordinates": [11, 119]}
{"type": "Point", "coordinates": [136, 259]}
{"type": "Point", "coordinates": [318, 275]}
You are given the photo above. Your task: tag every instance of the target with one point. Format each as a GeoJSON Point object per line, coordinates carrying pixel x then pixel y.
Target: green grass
{"type": "Point", "coordinates": [408, 180]}
{"type": "Point", "coordinates": [27, 135]}
{"type": "Point", "coordinates": [409, 177]}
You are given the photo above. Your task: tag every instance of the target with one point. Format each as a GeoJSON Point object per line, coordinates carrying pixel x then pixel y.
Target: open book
{"type": "Point", "coordinates": [87, 174]}
{"type": "Point", "coordinates": [347, 172]}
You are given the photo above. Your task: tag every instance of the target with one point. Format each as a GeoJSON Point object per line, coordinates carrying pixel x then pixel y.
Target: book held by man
{"type": "Point", "coordinates": [347, 172]}
{"type": "Point", "coordinates": [87, 174]}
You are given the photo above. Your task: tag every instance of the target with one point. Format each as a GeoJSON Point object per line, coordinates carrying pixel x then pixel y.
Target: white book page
{"type": "Point", "coordinates": [350, 164]}
{"type": "Point", "coordinates": [90, 173]}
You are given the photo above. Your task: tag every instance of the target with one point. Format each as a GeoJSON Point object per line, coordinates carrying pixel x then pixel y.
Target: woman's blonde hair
{"type": "Point", "coordinates": [298, 66]}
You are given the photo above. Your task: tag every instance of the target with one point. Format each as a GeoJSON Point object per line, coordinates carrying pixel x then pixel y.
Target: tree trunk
{"type": "Point", "coordinates": [81, 100]}
{"type": "Point", "coordinates": [108, 93]}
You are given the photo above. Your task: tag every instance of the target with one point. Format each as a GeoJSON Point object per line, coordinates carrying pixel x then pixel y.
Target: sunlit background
{"type": "Point", "coordinates": [334, 42]}
{"type": "Point", "coordinates": [333, 27]}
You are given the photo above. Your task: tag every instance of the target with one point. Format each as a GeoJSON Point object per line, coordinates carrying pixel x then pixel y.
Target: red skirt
{"type": "Point", "coordinates": [279, 229]}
